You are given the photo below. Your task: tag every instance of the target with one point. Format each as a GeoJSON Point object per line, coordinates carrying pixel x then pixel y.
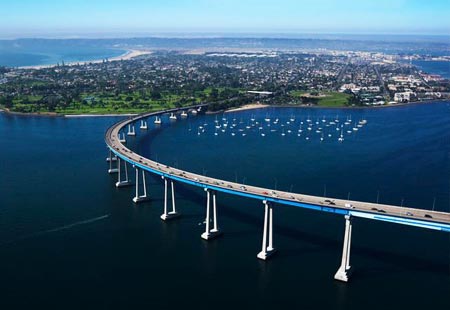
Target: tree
{"type": "Point", "coordinates": [155, 95]}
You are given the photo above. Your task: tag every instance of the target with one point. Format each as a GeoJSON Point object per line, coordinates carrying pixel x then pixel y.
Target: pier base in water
{"type": "Point", "coordinates": [214, 232]}
{"type": "Point", "coordinates": [267, 242]}
{"type": "Point", "coordinates": [168, 215]}
{"type": "Point", "coordinates": [344, 271]}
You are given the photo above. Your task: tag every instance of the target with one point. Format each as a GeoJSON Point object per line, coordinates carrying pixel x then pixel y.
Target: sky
{"type": "Point", "coordinates": [27, 18]}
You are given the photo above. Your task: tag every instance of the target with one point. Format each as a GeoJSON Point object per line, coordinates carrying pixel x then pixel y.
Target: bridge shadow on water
{"type": "Point", "coordinates": [386, 262]}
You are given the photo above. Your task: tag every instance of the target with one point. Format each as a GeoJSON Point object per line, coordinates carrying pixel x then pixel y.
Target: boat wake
{"type": "Point", "coordinates": [60, 228]}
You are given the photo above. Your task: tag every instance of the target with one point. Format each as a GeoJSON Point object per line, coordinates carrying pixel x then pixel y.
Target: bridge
{"type": "Point", "coordinates": [120, 157]}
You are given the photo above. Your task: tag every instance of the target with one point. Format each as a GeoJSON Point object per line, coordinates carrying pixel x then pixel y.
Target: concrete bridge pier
{"type": "Point", "coordinates": [267, 242]}
{"type": "Point", "coordinates": [120, 182]}
{"type": "Point", "coordinates": [131, 131]}
{"type": "Point", "coordinates": [122, 138]}
{"type": "Point", "coordinates": [143, 125]}
{"type": "Point", "coordinates": [112, 159]}
{"type": "Point", "coordinates": [214, 232]}
{"type": "Point", "coordinates": [344, 270]}
{"type": "Point", "coordinates": [172, 214]}
{"type": "Point", "coordinates": [140, 198]}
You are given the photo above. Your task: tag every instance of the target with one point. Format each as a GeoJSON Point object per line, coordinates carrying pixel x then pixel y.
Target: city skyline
{"type": "Point", "coordinates": [117, 18]}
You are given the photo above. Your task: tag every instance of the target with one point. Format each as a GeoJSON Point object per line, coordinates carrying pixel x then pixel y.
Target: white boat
{"type": "Point", "coordinates": [184, 114]}
{"type": "Point", "coordinates": [341, 137]}
{"type": "Point", "coordinates": [173, 117]}
{"type": "Point", "coordinates": [157, 120]}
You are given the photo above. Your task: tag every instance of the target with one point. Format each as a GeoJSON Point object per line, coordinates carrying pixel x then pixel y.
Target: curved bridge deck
{"type": "Point", "coordinates": [401, 215]}
{"type": "Point", "coordinates": [348, 208]}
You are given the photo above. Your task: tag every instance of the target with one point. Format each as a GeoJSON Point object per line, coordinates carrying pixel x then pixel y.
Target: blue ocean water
{"type": "Point", "coordinates": [434, 67]}
{"type": "Point", "coordinates": [70, 239]}
{"type": "Point", "coordinates": [33, 55]}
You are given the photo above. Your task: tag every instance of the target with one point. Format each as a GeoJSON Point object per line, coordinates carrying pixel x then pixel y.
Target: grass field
{"type": "Point", "coordinates": [325, 99]}
{"type": "Point", "coordinates": [110, 103]}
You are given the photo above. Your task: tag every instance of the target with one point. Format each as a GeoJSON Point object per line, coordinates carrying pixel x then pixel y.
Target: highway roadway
{"type": "Point", "coordinates": [389, 213]}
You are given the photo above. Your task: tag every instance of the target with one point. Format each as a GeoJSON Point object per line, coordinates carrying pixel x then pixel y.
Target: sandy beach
{"type": "Point", "coordinates": [248, 107]}
{"type": "Point", "coordinates": [126, 56]}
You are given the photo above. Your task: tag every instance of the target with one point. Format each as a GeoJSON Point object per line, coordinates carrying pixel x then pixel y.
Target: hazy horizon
{"type": "Point", "coordinates": [225, 34]}
{"type": "Point", "coordinates": [82, 18]}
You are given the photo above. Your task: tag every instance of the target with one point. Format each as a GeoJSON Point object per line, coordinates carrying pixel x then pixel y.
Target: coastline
{"type": "Point", "coordinates": [250, 106]}
{"type": "Point", "coordinates": [243, 108]}
{"type": "Point", "coordinates": [97, 115]}
{"type": "Point", "coordinates": [129, 54]}
{"type": "Point", "coordinates": [260, 106]}
{"type": "Point", "coordinates": [54, 114]}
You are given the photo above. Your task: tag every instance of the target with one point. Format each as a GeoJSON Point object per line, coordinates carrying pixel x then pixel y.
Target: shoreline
{"type": "Point", "coordinates": [97, 115]}
{"type": "Point", "coordinates": [129, 54]}
{"type": "Point", "coordinates": [243, 108]}
{"type": "Point", "coordinates": [260, 106]}
{"type": "Point", "coordinates": [246, 107]}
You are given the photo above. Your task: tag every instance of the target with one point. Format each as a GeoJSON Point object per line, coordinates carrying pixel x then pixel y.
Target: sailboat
{"type": "Point", "coordinates": [341, 137]}
{"type": "Point", "coordinates": [157, 120]}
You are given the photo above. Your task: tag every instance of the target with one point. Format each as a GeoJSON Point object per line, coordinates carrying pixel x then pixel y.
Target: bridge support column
{"type": "Point", "coordinates": [140, 198]}
{"type": "Point", "coordinates": [120, 182]}
{"type": "Point", "coordinates": [122, 138]}
{"type": "Point", "coordinates": [131, 131]}
{"type": "Point", "coordinates": [172, 214]}
{"type": "Point", "coordinates": [344, 270]}
{"type": "Point", "coordinates": [111, 159]}
{"type": "Point", "coordinates": [267, 242]}
{"type": "Point", "coordinates": [214, 232]}
{"type": "Point", "coordinates": [143, 125]}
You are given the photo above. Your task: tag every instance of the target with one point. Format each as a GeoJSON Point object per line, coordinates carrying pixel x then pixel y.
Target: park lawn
{"type": "Point", "coordinates": [109, 103]}
{"type": "Point", "coordinates": [331, 99]}
{"type": "Point", "coordinates": [334, 99]}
